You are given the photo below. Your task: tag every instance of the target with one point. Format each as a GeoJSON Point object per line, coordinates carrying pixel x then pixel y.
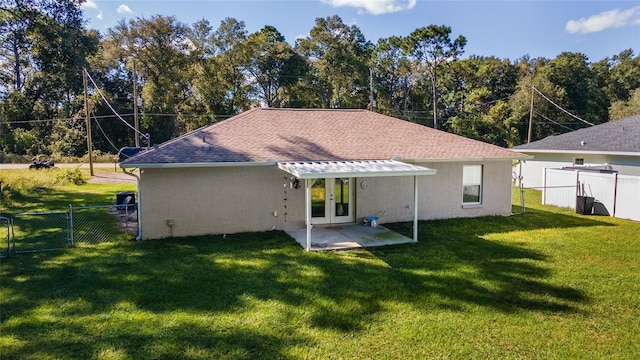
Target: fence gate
{"type": "Point", "coordinates": [41, 231]}
{"type": "Point", "coordinates": [92, 225]}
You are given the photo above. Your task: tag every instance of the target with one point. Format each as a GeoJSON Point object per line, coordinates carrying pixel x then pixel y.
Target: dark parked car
{"type": "Point", "coordinates": [127, 152]}
{"type": "Point", "coordinates": [37, 164]}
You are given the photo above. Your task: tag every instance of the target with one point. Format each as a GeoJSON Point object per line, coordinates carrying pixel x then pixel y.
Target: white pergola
{"type": "Point", "coordinates": [311, 170]}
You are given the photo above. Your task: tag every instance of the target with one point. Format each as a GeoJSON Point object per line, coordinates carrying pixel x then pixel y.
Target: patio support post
{"type": "Point", "coordinates": [307, 212]}
{"type": "Point", "coordinates": [415, 208]}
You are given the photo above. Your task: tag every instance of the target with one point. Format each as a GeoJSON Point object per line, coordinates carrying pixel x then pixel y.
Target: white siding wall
{"type": "Point", "coordinates": [533, 170]}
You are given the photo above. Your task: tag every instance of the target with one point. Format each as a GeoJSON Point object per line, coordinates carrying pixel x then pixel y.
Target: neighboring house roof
{"type": "Point", "coordinates": [614, 137]}
{"type": "Point", "coordinates": [268, 135]}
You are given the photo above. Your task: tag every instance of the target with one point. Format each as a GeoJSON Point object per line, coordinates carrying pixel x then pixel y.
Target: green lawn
{"type": "Point", "coordinates": [548, 284]}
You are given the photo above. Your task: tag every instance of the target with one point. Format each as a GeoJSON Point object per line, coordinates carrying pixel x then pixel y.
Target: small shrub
{"type": "Point", "coordinates": [71, 176]}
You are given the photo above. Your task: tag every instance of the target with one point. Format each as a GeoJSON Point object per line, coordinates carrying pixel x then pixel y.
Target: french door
{"type": "Point", "coordinates": [332, 201]}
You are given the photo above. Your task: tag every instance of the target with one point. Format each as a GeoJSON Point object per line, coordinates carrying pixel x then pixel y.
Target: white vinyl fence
{"type": "Point", "coordinates": [614, 195]}
{"type": "Point", "coordinates": [628, 195]}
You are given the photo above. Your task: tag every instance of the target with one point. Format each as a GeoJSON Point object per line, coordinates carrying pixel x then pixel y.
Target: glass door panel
{"type": "Point", "coordinates": [341, 197]}
{"type": "Point", "coordinates": [331, 201]}
{"type": "Point", "coordinates": [318, 199]}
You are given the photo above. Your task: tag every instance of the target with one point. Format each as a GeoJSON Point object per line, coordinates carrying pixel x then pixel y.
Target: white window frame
{"type": "Point", "coordinates": [578, 161]}
{"type": "Point", "coordinates": [472, 175]}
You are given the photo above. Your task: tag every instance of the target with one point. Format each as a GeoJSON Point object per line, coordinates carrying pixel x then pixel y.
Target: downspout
{"type": "Point", "coordinates": [130, 173]}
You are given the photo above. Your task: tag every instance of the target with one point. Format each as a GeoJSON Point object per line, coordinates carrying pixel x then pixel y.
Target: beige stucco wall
{"type": "Point", "coordinates": [217, 201]}
{"type": "Point", "coordinates": [240, 199]}
{"type": "Point", "coordinates": [439, 196]}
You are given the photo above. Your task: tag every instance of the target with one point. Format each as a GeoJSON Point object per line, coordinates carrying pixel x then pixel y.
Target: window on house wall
{"type": "Point", "coordinates": [578, 161]}
{"type": "Point", "coordinates": [472, 184]}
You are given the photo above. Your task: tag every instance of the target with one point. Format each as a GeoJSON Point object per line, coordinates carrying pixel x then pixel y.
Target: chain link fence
{"type": "Point", "coordinates": [99, 224]}
{"type": "Point", "coordinates": [78, 226]}
{"type": "Point", "coordinates": [40, 231]}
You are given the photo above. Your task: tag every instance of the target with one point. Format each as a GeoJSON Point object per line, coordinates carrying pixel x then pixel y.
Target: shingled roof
{"type": "Point", "coordinates": [619, 136]}
{"type": "Point", "coordinates": [264, 135]}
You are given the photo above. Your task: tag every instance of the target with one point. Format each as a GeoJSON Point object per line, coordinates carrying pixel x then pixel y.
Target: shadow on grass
{"type": "Point", "coordinates": [273, 288]}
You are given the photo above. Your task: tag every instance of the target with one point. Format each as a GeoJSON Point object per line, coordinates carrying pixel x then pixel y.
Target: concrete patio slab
{"type": "Point", "coordinates": [349, 236]}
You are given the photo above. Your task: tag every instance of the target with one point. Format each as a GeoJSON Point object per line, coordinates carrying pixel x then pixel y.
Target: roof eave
{"type": "Point", "coordinates": [195, 165]}
{"type": "Point", "coordinates": [582, 152]}
{"type": "Point", "coordinates": [467, 159]}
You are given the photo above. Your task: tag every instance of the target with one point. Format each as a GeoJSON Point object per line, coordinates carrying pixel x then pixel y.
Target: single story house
{"type": "Point", "coordinates": [614, 145]}
{"type": "Point", "coordinates": [283, 169]}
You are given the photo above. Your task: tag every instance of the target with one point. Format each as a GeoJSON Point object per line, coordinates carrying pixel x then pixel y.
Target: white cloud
{"type": "Point", "coordinates": [100, 16]}
{"type": "Point", "coordinates": [375, 7]}
{"type": "Point", "coordinates": [122, 9]}
{"type": "Point", "coordinates": [605, 20]}
{"type": "Point", "coordinates": [89, 4]}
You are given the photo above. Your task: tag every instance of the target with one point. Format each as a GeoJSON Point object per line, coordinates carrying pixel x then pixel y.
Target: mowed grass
{"type": "Point", "coordinates": [548, 284]}
{"type": "Point", "coordinates": [45, 190]}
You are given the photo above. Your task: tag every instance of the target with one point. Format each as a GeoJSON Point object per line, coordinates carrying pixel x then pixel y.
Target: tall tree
{"type": "Point", "coordinates": [15, 21]}
{"type": "Point", "coordinates": [210, 86]}
{"type": "Point", "coordinates": [620, 109]}
{"type": "Point", "coordinates": [339, 56]}
{"type": "Point", "coordinates": [229, 40]}
{"type": "Point", "coordinates": [580, 94]}
{"type": "Point", "coordinates": [160, 48]}
{"type": "Point", "coordinates": [569, 82]}
{"type": "Point", "coordinates": [619, 75]}
{"type": "Point", "coordinates": [44, 46]}
{"type": "Point", "coordinates": [272, 65]}
{"type": "Point", "coordinates": [431, 48]}
{"type": "Point", "coordinates": [392, 71]}
{"type": "Point", "coordinates": [483, 112]}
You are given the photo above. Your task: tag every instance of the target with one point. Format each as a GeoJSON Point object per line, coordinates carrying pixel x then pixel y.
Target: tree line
{"type": "Point", "coordinates": [188, 76]}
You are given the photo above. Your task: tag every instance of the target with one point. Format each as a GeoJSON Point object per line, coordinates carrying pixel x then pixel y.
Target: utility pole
{"type": "Point", "coordinates": [371, 88]}
{"type": "Point", "coordinates": [86, 111]}
{"type": "Point", "coordinates": [136, 125]}
{"type": "Point", "coordinates": [530, 116]}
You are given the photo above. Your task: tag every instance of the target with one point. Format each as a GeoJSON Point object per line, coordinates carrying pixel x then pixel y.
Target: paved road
{"type": "Point", "coordinates": [63, 166]}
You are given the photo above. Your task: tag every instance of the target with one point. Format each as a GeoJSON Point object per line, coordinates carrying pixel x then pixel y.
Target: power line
{"type": "Point", "coordinates": [105, 135]}
{"type": "Point", "coordinates": [559, 107]}
{"type": "Point", "coordinates": [554, 122]}
{"type": "Point", "coordinates": [146, 136]}
{"type": "Point", "coordinates": [217, 116]}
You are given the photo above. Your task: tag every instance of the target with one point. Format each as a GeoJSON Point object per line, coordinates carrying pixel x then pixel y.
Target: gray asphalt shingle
{"type": "Point", "coordinates": [615, 136]}
{"type": "Point", "coordinates": [260, 135]}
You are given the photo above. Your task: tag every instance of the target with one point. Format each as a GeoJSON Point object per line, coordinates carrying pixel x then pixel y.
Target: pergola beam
{"type": "Point", "coordinates": [307, 212]}
{"type": "Point", "coordinates": [415, 208]}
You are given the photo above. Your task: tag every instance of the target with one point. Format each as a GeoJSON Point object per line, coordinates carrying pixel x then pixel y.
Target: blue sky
{"type": "Point", "coordinates": [502, 28]}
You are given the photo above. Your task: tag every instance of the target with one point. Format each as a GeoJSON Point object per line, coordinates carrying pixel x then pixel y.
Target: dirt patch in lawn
{"type": "Point", "coordinates": [112, 178]}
